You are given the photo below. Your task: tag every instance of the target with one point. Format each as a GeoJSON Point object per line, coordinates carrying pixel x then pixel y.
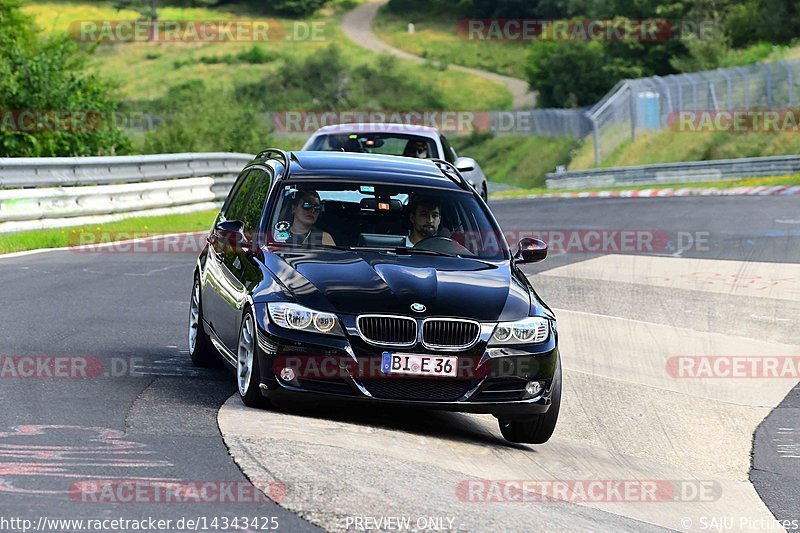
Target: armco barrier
{"type": "Point", "coordinates": [37, 193]}
{"type": "Point", "coordinates": [675, 173]}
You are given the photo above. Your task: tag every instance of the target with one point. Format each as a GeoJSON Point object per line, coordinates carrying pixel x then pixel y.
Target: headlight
{"type": "Point", "coordinates": [294, 316]}
{"type": "Point", "coordinates": [531, 330]}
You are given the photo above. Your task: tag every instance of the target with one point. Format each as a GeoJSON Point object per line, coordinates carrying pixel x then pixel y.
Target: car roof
{"type": "Point", "coordinates": [379, 127]}
{"type": "Point", "coordinates": [374, 168]}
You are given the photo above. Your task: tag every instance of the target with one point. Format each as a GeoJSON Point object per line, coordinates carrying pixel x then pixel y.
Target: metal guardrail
{"type": "Point", "coordinates": [650, 104]}
{"type": "Point", "coordinates": [676, 173]}
{"type": "Point", "coordinates": [38, 193]}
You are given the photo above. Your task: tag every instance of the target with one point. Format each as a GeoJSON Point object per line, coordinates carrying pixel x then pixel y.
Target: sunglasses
{"type": "Point", "coordinates": [308, 206]}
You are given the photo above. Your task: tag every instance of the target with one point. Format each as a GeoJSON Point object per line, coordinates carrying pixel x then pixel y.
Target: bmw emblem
{"type": "Point", "coordinates": [418, 308]}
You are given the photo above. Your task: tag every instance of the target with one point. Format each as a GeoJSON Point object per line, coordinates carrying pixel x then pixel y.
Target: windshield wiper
{"type": "Point", "coordinates": [398, 250]}
{"type": "Point", "coordinates": [423, 251]}
{"type": "Point", "coordinates": [395, 249]}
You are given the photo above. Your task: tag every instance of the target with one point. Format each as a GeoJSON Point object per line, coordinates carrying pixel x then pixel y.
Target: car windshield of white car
{"type": "Point", "coordinates": [401, 144]}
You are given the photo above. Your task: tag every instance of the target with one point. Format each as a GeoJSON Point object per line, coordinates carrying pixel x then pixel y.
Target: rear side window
{"type": "Point", "coordinates": [449, 153]}
{"type": "Point", "coordinates": [238, 203]}
{"type": "Point", "coordinates": [233, 195]}
{"type": "Point", "coordinates": [255, 202]}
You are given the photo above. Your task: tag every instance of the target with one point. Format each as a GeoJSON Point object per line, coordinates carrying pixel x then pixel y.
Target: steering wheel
{"type": "Point", "coordinates": [445, 245]}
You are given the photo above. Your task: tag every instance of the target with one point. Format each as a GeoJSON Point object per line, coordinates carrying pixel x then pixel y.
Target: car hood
{"type": "Point", "coordinates": [356, 282]}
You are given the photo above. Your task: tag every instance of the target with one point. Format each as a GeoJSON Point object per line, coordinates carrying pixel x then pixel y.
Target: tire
{"type": "Point", "coordinates": [248, 373]}
{"type": "Point", "coordinates": [539, 428]}
{"type": "Point", "coordinates": [484, 194]}
{"type": "Point", "coordinates": [201, 350]}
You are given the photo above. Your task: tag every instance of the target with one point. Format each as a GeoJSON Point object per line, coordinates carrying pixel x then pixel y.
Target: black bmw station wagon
{"type": "Point", "coordinates": [375, 279]}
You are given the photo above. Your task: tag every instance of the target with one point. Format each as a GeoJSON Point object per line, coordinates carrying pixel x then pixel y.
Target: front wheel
{"type": "Point", "coordinates": [200, 349]}
{"type": "Point", "coordinates": [539, 428]}
{"type": "Point", "coordinates": [248, 374]}
{"type": "Point", "coordinates": [484, 194]}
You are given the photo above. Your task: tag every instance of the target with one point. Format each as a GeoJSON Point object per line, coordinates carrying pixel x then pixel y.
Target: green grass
{"type": "Point", "coordinates": [120, 230]}
{"type": "Point", "coordinates": [145, 71]}
{"type": "Point", "coordinates": [789, 180]}
{"type": "Point", "coordinates": [670, 146]}
{"type": "Point", "coordinates": [436, 38]}
{"type": "Point", "coordinates": [518, 160]}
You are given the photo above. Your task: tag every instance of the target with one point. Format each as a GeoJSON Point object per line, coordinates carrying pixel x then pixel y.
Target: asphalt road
{"type": "Point", "coordinates": [157, 420]}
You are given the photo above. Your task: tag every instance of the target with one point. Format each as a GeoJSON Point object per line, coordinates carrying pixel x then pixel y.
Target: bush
{"type": "Point", "coordinates": [705, 53]}
{"type": "Point", "coordinates": [194, 118]}
{"type": "Point", "coordinates": [519, 160]}
{"type": "Point", "coordinates": [256, 56]}
{"type": "Point", "coordinates": [49, 79]}
{"type": "Point", "coordinates": [325, 81]}
{"type": "Point", "coordinates": [297, 8]}
{"type": "Point", "coordinates": [574, 74]}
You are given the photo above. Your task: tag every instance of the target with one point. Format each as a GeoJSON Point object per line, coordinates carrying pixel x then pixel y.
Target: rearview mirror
{"type": "Point", "coordinates": [230, 236]}
{"type": "Point", "coordinates": [531, 251]}
{"type": "Point", "coordinates": [465, 164]}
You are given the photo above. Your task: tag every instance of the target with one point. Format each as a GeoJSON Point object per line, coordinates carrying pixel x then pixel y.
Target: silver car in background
{"type": "Point", "coordinates": [396, 139]}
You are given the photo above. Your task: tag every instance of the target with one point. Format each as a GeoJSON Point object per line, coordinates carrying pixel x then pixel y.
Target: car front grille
{"type": "Point", "coordinates": [430, 390]}
{"type": "Point", "coordinates": [437, 333]}
{"type": "Point", "coordinates": [450, 333]}
{"type": "Point", "coordinates": [388, 330]}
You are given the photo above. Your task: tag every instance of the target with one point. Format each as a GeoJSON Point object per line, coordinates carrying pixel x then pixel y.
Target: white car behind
{"type": "Point", "coordinates": [396, 139]}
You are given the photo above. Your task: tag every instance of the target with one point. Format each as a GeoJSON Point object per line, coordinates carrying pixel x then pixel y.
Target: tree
{"type": "Point", "coordinates": [51, 105]}
{"type": "Point", "coordinates": [574, 73]}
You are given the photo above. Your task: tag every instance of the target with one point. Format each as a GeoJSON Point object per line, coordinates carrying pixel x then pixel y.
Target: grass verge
{"type": "Point", "coordinates": [57, 238]}
{"type": "Point", "coordinates": [436, 38]}
{"type": "Point", "coordinates": [145, 71]}
{"type": "Point", "coordinates": [671, 146]}
{"type": "Point", "coordinates": [518, 160]}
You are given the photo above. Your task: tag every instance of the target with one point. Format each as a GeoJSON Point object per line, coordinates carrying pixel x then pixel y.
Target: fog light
{"type": "Point", "coordinates": [533, 388]}
{"type": "Point", "coordinates": [287, 374]}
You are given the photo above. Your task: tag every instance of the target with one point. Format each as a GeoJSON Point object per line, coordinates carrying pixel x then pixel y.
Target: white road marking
{"type": "Point", "coordinates": [764, 280]}
{"type": "Point", "coordinates": [591, 343]}
{"type": "Point", "coordinates": [624, 416]}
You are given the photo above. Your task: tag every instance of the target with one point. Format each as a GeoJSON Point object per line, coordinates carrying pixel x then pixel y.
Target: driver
{"type": "Point", "coordinates": [425, 215]}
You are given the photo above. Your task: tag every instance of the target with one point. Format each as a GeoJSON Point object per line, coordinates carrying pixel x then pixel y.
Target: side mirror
{"type": "Point", "coordinates": [531, 251]}
{"type": "Point", "coordinates": [230, 236]}
{"type": "Point", "coordinates": [465, 164]}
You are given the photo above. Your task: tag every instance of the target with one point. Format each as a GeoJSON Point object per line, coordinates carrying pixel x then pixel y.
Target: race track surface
{"type": "Point", "coordinates": [144, 413]}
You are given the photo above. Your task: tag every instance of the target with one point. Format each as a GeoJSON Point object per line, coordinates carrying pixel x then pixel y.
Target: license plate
{"type": "Point", "coordinates": [411, 364]}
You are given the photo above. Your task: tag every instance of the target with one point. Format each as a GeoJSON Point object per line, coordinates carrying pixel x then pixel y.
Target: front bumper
{"type": "Point", "coordinates": [490, 380]}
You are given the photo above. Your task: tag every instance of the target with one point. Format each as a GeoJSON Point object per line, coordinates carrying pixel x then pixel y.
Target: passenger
{"type": "Point", "coordinates": [418, 149]}
{"type": "Point", "coordinates": [306, 207]}
{"type": "Point", "coordinates": [425, 215]}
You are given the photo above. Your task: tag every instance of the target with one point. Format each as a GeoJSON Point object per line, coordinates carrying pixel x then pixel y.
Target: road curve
{"type": "Point", "coordinates": [625, 416]}
{"type": "Point", "coordinates": [357, 25]}
{"type": "Point", "coordinates": [621, 316]}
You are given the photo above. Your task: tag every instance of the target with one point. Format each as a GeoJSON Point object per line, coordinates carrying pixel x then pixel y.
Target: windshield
{"type": "Point", "coordinates": [401, 219]}
{"type": "Point", "coordinates": [377, 143]}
